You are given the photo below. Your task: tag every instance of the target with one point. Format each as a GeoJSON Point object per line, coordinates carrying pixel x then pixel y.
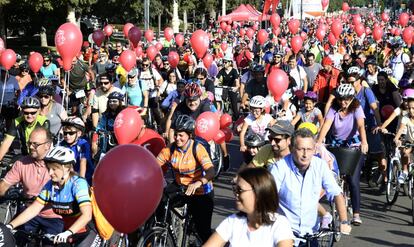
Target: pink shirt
{"type": "Point", "coordinates": [33, 175]}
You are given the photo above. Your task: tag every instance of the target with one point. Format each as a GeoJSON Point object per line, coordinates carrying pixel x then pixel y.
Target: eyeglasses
{"type": "Point", "coordinates": [237, 191]}
{"type": "Point", "coordinates": [30, 113]}
{"type": "Point", "coordinates": [25, 70]}
{"type": "Point", "coordinates": [71, 133]}
{"type": "Point", "coordinates": [145, 64]}
{"type": "Point", "coordinates": [201, 78]}
{"type": "Point", "coordinates": [45, 96]}
{"type": "Point", "coordinates": [36, 145]}
{"type": "Point", "coordinates": [131, 77]}
{"type": "Point", "coordinates": [113, 101]}
{"type": "Point", "coordinates": [105, 82]}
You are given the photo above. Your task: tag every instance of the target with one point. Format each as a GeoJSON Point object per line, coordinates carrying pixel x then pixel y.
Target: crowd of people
{"type": "Point", "coordinates": [337, 94]}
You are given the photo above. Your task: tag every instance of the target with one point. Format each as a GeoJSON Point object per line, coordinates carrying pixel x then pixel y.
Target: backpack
{"type": "Point", "coordinates": [104, 228]}
{"type": "Point", "coordinates": [197, 140]}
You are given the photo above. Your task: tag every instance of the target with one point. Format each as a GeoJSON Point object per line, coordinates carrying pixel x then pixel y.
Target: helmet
{"type": "Point", "coordinates": [41, 82]}
{"type": "Point", "coordinates": [116, 95]}
{"type": "Point", "coordinates": [75, 122]}
{"type": "Point", "coordinates": [185, 123]}
{"type": "Point", "coordinates": [53, 79]}
{"type": "Point", "coordinates": [310, 126]}
{"type": "Point", "coordinates": [404, 83]}
{"type": "Point", "coordinates": [110, 68]}
{"type": "Point", "coordinates": [387, 70]}
{"type": "Point", "coordinates": [164, 58]}
{"type": "Point", "coordinates": [258, 68]}
{"type": "Point", "coordinates": [408, 93]}
{"type": "Point", "coordinates": [24, 65]}
{"type": "Point", "coordinates": [258, 101]}
{"type": "Point", "coordinates": [30, 102]}
{"type": "Point", "coordinates": [48, 90]}
{"type": "Point", "coordinates": [354, 70]}
{"type": "Point", "coordinates": [254, 140]}
{"type": "Point", "coordinates": [192, 91]}
{"type": "Point", "coordinates": [311, 95]}
{"type": "Point", "coordinates": [345, 90]}
{"type": "Point", "coordinates": [61, 155]}
{"type": "Point", "coordinates": [370, 60]}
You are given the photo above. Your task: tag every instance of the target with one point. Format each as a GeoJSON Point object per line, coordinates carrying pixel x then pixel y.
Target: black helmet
{"type": "Point", "coordinates": [370, 60]}
{"type": "Point", "coordinates": [116, 95]}
{"type": "Point", "coordinates": [185, 123]}
{"type": "Point", "coordinates": [254, 140]}
{"type": "Point", "coordinates": [110, 68]}
{"type": "Point", "coordinates": [30, 102]}
{"type": "Point", "coordinates": [24, 66]}
{"type": "Point", "coordinates": [48, 90]}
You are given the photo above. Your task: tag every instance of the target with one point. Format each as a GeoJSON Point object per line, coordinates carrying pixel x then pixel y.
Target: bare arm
{"type": "Point", "coordinates": [295, 120]}
{"type": "Point", "coordinates": [242, 136]}
{"type": "Point", "coordinates": [82, 169]}
{"type": "Point", "coordinates": [363, 135]}
{"type": "Point", "coordinates": [28, 214]}
{"type": "Point", "coordinates": [324, 130]}
{"type": "Point", "coordinates": [95, 119]}
{"type": "Point", "coordinates": [374, 107]}
{"type": "Point", "coordinates": [86, 216]}
{"type": "Point", "coordinates": [328, 104]}
{"type": "Point", "coordinates": [4, 186]}
{"type": "Point", "coordinates": [215, 240]}
{"type": "Point", "coordinates": [5, 145]}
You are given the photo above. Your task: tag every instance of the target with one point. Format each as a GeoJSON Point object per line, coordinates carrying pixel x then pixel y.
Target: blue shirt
{"type": "Point", "coordinates": [49, 70]}
{"type": "Point", "coordinates": [82, 149]}
{"type": "Point", "coordinates": [366, 97]}
{"type": "Point", "coordinates": [135, 96]}
{"type": "Point", "coordinates": [29, 91]}
{"type": "Point", "coordinates": [10, 90]}
{"type": "Point", "coordinates": [299, 194]}
{"type": "Point", "coordinates": [173, 96]}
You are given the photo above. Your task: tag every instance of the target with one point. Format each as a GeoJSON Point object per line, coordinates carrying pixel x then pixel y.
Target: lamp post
{"type": "Point", "coordinates": [146, 14]}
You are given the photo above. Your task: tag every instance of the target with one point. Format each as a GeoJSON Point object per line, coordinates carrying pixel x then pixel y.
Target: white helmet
{"type": "Point", "coordinates": [61, 155]}
{"type": "Point", "coordinates": [345, 90]}
{"type": "Point", "coordinates": [258, 101]}
{"type": "Point", "coordinates": [354, 70]}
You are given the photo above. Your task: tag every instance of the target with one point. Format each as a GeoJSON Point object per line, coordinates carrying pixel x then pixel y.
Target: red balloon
{"type": "Point", "coordinates": [8, 58]}
{"type": "Point", "coordinates": [356, 19]}
{"type": "Point", "coordinates": [208, 60]}
{"type": "Point", "coordinates": [320, 34]}
{"type": "Point", "coordinates": [128, 60]}
{"type": "Point", "coordinates": [152, 51]}
{"type": "Point", "coordinates": [403, 19]}
{"type": "Point", "coordinates": [408, 35]}
{"type": "Point", "coordinates": [303, 35]}
{"type": "Point", "coordinates": [127, 125]}
{"type": "Point", "coordinates": [225, 121]}
{"type": "Point", "coordinates": [275, 20]}
{"type": "Point", "coordinates": [35, 61]}
{"type": "Point", "coordinates": [276, 31]}
{"type": "Point", "coordinates": [296, 44]}
{"type": "Point", "coordinates": [385, 17]}
{"type": "Point", "coordinates": [397, 32]}
{"type": "Point", "coordinates": [255, 26]}
{"type": "Point", "coordinates": [262, 36]}
{"type": "Point", "coordinates": [368, 30]}
{"type": "Point", "coordinates": [299, 94]}
{"type": "Point", "coordinates": [149, 35]}
{"type": "Point", "coordinates": [98, 37]}
{"type": "Point", "coordinates": [173, 59]}
{"type": "Point", "coordinates": [336, 28]}
{"type": "Point", "coordinates": [134, 35]}
{"type": "Point", "coordinates": [359, 29]}
{"type": "Point", "coordinates": [108, 30]}
{"type": "Point", "coordinates": [126, 29]}
{"type": "Point", "coordinates": [207, 125]}
{"type": "Point", "coordinates": [278, 82]}
{"type": "Point", "coordinates": [199, 42]}
{"type": "Point", "coordinates": [224, 46]}
{"type": "Point", "coordinates": [179, 39]}
{"type": "Point", "coordinates": [228, 133]}
{"type": "Point", "coordinates": [242, 32]}
{"type": "Point", "coordinates": [377, 34]}
{"type": "Point", "coordinates": [130, 176]}
{"type": "Point", "coordinates": [324, 3]}
{"type": "Point", "coordinates": [68, 41]}
{"type": "Point", "coordinates": [283, 42]}
{"type": "Point", "coordinates": [345, 7]}
{"type": "Point", "coordinates": [331, 38]}
{"type": "Point", "coordinates": [168, 33]}
{"type": "Point", "coordinates": [59, 61]}
{"type": "Point", "coordinates": [293, 26]}
{"type": "Point", "coordinates": [386, 111]}
{"type": "Point", "coordinates": [220, 137]}
{"type": "Point", "coordinates": [250, 33]}
{"type": "Point", "coordinates": [138, 51]}
{"type": "Point", "coordinates": [150, 140]}
{"type": "Point", "coordinates": [228, 29]}
{"type": "Point", "coordinates": [223, 25]}
{"type": "Point", "coordinates": [158, 45]}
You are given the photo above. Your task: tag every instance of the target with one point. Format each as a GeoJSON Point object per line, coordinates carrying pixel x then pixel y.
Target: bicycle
{"type": "Point", "coordinates": [221, 94]}
{"type": "Point", "coordinates": [217, 157]}
{"type": "Point", "coordinates": [323, 238]}
{"type": "Point", "coordinates": [176, 227]}
{"type": "Point", "coordinates": [106, 141]}
{"type": "Point", "coordinates": [12, 202]}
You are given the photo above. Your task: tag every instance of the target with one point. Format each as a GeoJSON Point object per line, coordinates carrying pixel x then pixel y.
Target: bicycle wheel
{"type": "Point", "coordinates": [326, 240]}
{"type": "Point", "coordinates": [412, 199]}
{"type": "Point", "coordinates": [392, 190]}
{"type": "Point", "coordinates": [217, 158]}
{"type": "Point", "coordinates": [192, 240]}
{"type": "Point", "coordinates": [336, 222]}
{"type": "Point", "coordinates": [156, 237]}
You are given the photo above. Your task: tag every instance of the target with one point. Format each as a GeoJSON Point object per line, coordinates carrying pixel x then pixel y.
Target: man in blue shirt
{"type": "Point", "coordinates": [300, 177]}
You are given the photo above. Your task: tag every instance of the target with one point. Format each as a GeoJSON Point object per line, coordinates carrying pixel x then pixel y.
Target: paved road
{"type": "Point", "coordinates": [382, 225]}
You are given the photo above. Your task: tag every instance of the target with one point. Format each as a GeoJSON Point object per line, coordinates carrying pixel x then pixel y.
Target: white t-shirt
{"type": "Point", "coordinates": [146, 77]}
{"type": "Point", "coordinates": [235, 230]}
{"type": "Point", "coordinates": [397, 65]}
{"type": "Point", "coordinates": [258, 127]}
{"type": "Point", "coordinates": [299, 75]}
{"type": "Point", "coordinates": [409, 127]}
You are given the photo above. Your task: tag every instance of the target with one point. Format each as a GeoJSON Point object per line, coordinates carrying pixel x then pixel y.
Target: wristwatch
{"type": "Point", "coordinates": [345, 222]}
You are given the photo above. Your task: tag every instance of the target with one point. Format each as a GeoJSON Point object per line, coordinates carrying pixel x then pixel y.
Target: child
{"type": "Point", "coordinates": [73, 128]}
{"type": "Point", "coordinates": [309, 113]}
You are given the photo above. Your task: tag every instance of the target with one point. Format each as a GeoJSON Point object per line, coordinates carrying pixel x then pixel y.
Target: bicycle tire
{"type": "Point", "coordinates": [392, 186]}
{"type": "Point", "coordinates": [217, 159]}
{"type": "Point", "coordinates": [193, 239]}
{"type": "Point", "coordinates": [326, 241]}
{"type": "Point", "coordinates": [335, 225]}
{"type": "Point", "coordinates": [412, 200]}
{"type": "Point", "coordinates": [156, 237]}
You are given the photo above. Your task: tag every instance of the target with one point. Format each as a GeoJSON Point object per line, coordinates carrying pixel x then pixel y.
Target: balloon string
{"type": "Point", "coordinates": [3, 91]}
{"type": "Point", "coordinates": [65, 95]}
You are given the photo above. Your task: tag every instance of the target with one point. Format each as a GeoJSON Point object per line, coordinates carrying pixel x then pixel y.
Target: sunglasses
{"type": "Point", "coordinates": [45, 96]}
{"type": "Point", "coordinates": [166, 63]}
{"type": "Point", "coordinates": [131, 77]}
{"type": "Point", "coordinates": [105, 82]}
{"type": "Point", "coordinates": [30, 113]}
{"type": "Point", "coordinates": [276, 140]}
{"type": "Point", "coordinates": [227, 61]}
{"type": "Point", "coordinates": [71, 133]}
{"type": "Point", "coordinates": [47, 60]}
{"type": "Point", "coordinates": [35, 144]}
{"type": "Point", "coordinates": [145, 64]}
{"type": "Point", "coordinates": [200, 78]}
{"type": "Point", "coordinates": [237, 191]}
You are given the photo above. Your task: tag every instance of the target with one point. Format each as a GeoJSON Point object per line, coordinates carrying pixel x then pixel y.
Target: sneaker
{"type": "Point", "coordinates": [226, 163]}
{"type": "Point", "coordinates": [403, 176]}
{"type": "Point", "coordinates": [326, 220]}
{"type": "Point", "coordinates": [356, 221]}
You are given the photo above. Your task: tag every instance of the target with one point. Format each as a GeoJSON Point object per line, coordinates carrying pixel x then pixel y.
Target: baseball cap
{"type": "Point", "coordinates": [133, 73]}
{"type": "Point", "coordinates": [282, 127]}
{"type": "Point", "coordinates": [327, 61]}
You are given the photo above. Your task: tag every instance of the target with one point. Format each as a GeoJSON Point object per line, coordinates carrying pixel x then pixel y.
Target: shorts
{"type": "Point", "coordinates": [375, 144]}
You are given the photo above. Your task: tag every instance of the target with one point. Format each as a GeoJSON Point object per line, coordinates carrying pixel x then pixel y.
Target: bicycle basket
{"type": "Point", "coordinates": [347, 159]}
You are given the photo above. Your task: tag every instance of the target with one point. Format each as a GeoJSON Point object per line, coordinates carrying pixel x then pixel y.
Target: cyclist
{"type": "Point", "coordinates": [309, 112]}
{"type": "Point", "coordinates": [68, 195]}
{"type": "Point", "coordinates": [136, 91]}
{"type": "Point", "coordinates": [22, 126]}
{"type": "Point", "coordinates": [194, 171]}
{"type": "Point", "coordinates": [73, 129]}
{"type": "Point", "coordinates": [255, 86]}
{"type": "Point", "coordinates": [31, 172]}
{"type": "Point", "coordinates": [228, 76]}
{"type": "Point", "coordinates": [49, 68]}
{"type": "Point", "coordinates": [253, 143]}
{"type": "Point", "coordinates": [54, 111]}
